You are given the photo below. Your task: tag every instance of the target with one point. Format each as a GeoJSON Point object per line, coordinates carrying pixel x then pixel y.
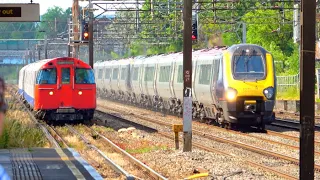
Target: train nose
{"type": "Point", "coordinates": [250, 107]}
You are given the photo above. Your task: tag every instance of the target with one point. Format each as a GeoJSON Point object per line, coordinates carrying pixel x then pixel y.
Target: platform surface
{"type": "Point", "coordinates": [46, 164]}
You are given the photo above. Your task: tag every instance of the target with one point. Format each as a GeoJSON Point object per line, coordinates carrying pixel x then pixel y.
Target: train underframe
{"type": "Point", "coordinates": [66, 114]}
{"type": "Point", "coordinates": [226, 114]}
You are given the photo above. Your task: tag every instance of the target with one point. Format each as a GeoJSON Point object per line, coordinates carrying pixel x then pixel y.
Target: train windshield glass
{"type": "Point", "coordinates": [47, 76]}
{"type": "Point", "coordinates": [84, 76]}
{"type": "Point", "coordinates": [248, 67]}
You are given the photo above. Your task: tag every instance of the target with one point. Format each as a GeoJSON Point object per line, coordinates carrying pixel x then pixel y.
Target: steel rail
{"type": "Point", "coordinates": [234, 143]}
{"type": "Point", "coordinates": [112, 164]}
{"type": "Point", "coordinates": [288, 136]}
{"type": "Point", "coordinates": [133, 159]}
{"type": "Point", "coordinates": [290, 124]}
{"type": "Point", "coordinates": [51, 139]}
{"type": "Point", "coordinates": [214, 150]}
{"type": "Point", "coordinates": [267, 131]}
{"type": "Point", "coordinates": [281, 174]}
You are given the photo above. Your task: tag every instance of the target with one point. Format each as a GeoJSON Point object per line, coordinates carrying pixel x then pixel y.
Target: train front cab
{"type": "Point", "coordinates": [250, 93]}
{"type": "Point", "coordinates": [66, 91]}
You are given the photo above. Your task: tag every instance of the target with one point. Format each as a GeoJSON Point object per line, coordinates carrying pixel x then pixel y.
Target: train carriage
{"type": "Point", "coordinates": [98, 69]}
{"type": "Point", "coordinates": [163, 82]}
{"type": "Point", "coordinates": [124, 81]}
{"type": "Point", "coordinates": [57, 89]}
{"type": "Point", "coordinates": [148, 82]}
{"type": "Point", "coordinates": [135, 79]}
{"type": "Point", "coordinates": [234, 85]}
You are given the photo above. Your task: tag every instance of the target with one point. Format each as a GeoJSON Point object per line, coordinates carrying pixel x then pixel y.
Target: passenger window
{"type": "Point", "coordinates": [135, 73]}
{"type": "Point", "coordinates": [205, 74]}
{"type": "Point", "coordinates": [164, 73]}
{"type": "Point", "coordinates": [123, 73]}
{"type": "Point", "coordinates": [100, 74]}
{"type": "Point", "coordinates": [115, 74]}
{"type": "Point", "coordinates": [65, 75]}
{"type": "Point", "coordinates": [149, 74]}
{"type": "Point", "coordinates": [84, 76]}
{"type": "Point", "coordinates": [107, 76]}
{"type": "Point", "coordinates": [180, 74]}
{"type": "Point", "coordinates": [47, 76]}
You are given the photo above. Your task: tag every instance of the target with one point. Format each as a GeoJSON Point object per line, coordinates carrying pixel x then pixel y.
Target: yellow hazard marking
{"type": "Point", "coordinates": [198, 176]}
{"type": "Point", "coordinates": [177, 127]}
{"type": "Point", "coordinates": [75, 171]}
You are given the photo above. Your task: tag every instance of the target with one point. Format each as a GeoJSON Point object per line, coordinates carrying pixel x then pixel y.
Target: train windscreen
{"type": "Point", "coordinates": [84, 76]}
{"type": "Point", "coordinates": [47, 76]}
{"type": "Point", "coordinates": [248, 67]}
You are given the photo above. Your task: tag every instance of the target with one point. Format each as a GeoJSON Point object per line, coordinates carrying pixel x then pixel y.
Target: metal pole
{"type": "Point", "coordinates": [90, 34]}
{"type": "Point", "coordinates": [244, 32]}
{"type": "Point", "coordinates": [39, 56]}
{"type": "Point", "coordinates": [45, 46]}
{"type": "Point", "coordinates": [187, 76]}
{"type": "Point", "coordinates": [75, 27]}
{"type": "Point", "coordinates": [307, 82]}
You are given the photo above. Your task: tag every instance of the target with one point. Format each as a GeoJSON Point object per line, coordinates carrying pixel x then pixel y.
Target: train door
{"type": "Point", "coordinates": [66, 81]}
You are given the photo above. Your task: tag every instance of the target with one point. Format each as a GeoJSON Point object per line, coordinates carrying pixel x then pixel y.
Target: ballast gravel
{"type": "Point", "coordinates": [288, 167]}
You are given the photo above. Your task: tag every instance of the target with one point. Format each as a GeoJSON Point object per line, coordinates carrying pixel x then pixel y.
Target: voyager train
{"type": "Point", "coordinates": [235, 85]}
{"type": "Point", "coordinates": [59, 89]}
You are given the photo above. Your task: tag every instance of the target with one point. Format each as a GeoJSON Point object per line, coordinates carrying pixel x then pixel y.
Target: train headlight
{"type": "Point", "coordinates": [80, 93]}
{"type": "Point", "coordinates": [268, 92]}
{"type": "Point", "coordinates": [50, 93]}
{"type": "Point", "coordinates": [231, 94]}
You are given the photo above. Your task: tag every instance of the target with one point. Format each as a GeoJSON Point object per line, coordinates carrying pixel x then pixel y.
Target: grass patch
{"type": "Point", "coordinates": [291, 93]}
{"type": "Point", "coordinates": [20, 132]}
{"type": "Point", "coordinates": [101, 129]}
{"type": "Point", "coordinates": [142, 150]}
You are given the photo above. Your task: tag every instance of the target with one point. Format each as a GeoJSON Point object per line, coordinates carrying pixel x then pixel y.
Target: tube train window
{"type": "Point", "coordinates": [149, 74]}
{"type": "Point", "coordinates": [47, 76]}
{"type": "Point", "coordinates": [180, 74]}
{"type": "Point", "coordinates": [164, 73]}
{"type": "Point", "coordinates": [115, 73]}
{"type": "Point", "coordinates": [100, 74]}
{"type": "Point", "coordinates": [84, 76]}
{"type": "Point", "coordinates": [65, 77]}
{"type": "Point", "coordinates": [205, 74]}
{"type": "Point", "coordinates": [107, 74]}
{"type": "Point", "coordinates": [135, 73]}
{"type": "Point", "coordinates": [248, 67]}
{"type": "Point", "coordinates": [123, 73]}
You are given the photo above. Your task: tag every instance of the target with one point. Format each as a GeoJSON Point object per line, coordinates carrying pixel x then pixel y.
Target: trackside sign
{"type": "Point", "coordinates": [19, 12]}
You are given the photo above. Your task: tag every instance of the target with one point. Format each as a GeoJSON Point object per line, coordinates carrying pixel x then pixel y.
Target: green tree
{"type": "Point", "coordinates": [54, 21]}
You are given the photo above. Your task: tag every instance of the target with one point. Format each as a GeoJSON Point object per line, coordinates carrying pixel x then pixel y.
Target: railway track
{"type": "Point", "coordinates": [210, 149]}
{"type": "Point", "coordinates": [234, 143]}
{"type": "Point", "coordinates": [290, 124]}
{"type": "Point", "coordinates": [58, 142]}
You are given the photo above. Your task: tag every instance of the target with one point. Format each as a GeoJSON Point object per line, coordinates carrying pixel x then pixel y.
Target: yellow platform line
{"type": "Point", "coordinates": [75, 171]}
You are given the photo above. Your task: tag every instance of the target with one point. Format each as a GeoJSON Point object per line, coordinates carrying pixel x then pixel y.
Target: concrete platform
{"type": "Point", "coordinates": [46, 164]}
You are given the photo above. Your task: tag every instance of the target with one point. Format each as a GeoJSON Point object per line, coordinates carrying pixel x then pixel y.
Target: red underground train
{"type": "Point", "coordinates": [59, 89]}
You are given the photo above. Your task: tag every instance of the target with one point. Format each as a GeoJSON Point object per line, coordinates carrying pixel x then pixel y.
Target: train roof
{"type": "Point", "coordinates": [215, 51]}
{"type": "Point", "coordinates": [48, 62]}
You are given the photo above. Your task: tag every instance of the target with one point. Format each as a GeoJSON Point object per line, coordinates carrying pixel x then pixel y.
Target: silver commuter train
{"type": "Point", "coordinates": [157, 82]}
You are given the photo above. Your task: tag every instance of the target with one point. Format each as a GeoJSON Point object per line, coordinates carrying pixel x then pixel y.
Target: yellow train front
{"type": "Point", "coordinates": [245, 90]}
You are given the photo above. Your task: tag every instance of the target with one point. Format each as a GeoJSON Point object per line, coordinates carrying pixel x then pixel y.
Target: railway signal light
{"type": "Point", "coordinates": [85, 31]}
{"type": "Point", "coordinates": [194, 31]}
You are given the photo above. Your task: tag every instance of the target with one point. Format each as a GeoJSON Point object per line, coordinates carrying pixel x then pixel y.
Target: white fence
{"type": "Point", "coordinates": [288, 82]}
